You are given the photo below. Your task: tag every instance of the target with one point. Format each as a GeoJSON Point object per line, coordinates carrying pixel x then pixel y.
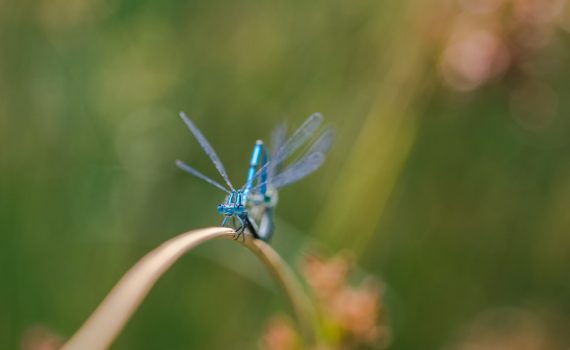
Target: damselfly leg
{"type": "Point", "coordinates": [240, 230]}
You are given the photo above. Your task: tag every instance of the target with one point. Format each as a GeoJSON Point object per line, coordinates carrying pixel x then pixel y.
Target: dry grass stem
{"type": "Point", "coordinates": [302, 305]}
{"type": "Point", "coordinates": [105, 324]}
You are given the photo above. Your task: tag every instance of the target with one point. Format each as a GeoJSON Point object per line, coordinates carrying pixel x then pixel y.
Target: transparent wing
{"type": "Point", "coordinates": [277, 141]}
{"type": "Point", "coordinates": [198, 174]}
{"type": "Point", "coordinates": [310, 162]}
{"type": "Point", "coordinates": [297, 170]}
{"type": "Point", "coordinates": [207, 148]}
{"type": "Point", "coordinates": [298, 139]}
{"type": "Point", "coordinates": [323, 143]}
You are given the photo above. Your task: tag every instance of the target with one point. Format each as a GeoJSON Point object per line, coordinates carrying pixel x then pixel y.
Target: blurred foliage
{"type": "Point", "coordinates": [450, 178]}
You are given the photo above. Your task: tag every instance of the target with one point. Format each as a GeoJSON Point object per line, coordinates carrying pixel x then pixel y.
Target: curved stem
{"type": "Point", "coordinates": [302, 306]}
{"type": "Point", "coordinates": [107, 321]}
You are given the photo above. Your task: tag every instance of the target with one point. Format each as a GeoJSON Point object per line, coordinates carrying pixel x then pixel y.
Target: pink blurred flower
{"type": "Point", "coordinates": [473, 56]}
{"type": "Point", "coordinates": [280, 335]}
{"type": "Point", "coordinates": [40, 338]}
{"type": "Point", "coordinates": [484, 41]}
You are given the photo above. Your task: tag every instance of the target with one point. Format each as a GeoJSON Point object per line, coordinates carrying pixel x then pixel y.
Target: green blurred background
{"type": "Point", "coordinates": [449, 180]}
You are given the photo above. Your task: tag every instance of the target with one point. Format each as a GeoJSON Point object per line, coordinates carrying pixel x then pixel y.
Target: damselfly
{"type": "Point", "coordinates": [252, 204]}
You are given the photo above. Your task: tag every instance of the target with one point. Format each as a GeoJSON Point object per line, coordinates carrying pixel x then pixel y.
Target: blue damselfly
{"type": "Point", "coordinates": [252, 204]}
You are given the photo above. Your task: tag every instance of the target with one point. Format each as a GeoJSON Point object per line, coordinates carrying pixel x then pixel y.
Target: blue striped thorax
{"type": "Point", "coordinates": [234, 204]}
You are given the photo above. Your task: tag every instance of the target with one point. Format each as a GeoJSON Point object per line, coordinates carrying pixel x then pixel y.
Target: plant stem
{"type": "Point", "coordinates": [302, 305]}
{"type": "Point", "coordinates": [110, 317]}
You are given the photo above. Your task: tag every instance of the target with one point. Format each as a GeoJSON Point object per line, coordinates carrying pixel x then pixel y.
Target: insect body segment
{"type": "Point", "coordinates": [253, 204]}
{"type": "Point", "coordinates": [234, 206]}
{"type": "Point", "coordinates": [258, 156]}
